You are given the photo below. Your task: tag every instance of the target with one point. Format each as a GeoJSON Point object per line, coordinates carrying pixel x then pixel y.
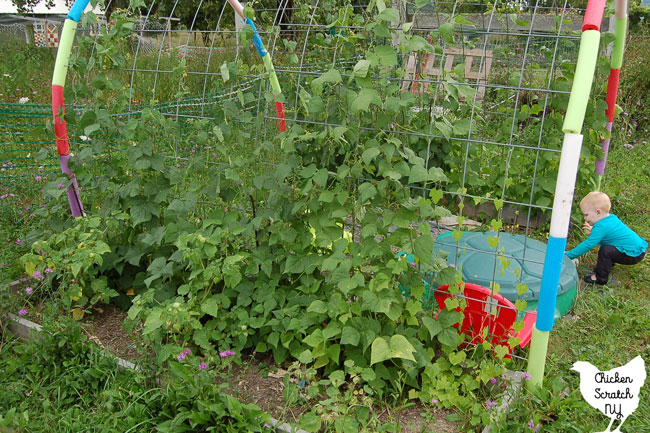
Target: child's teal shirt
{"type": "Point", "coordinates": [611, 231]}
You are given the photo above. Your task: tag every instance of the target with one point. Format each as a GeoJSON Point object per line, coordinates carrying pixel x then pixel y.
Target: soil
{"type": "Point", "coordinates": [250, 384]}
{"type": "Point", "coordinates": [106, 329]}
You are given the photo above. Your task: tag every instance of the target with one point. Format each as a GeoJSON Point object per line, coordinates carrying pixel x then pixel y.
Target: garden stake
{"type": "Point", "coordinates": [564, 189]}
{"type": "Point", "coordinates": [58, 103]}
{"type": "Point", "coordinates": [612, 82]}
{"type": "Point", "coordinates": [268, 65]}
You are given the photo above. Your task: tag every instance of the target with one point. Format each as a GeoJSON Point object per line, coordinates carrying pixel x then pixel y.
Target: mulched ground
{"type": "Point", "coordinates": [105, 328]}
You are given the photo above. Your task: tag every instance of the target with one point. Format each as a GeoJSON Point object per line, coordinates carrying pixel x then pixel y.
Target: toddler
{"type": "Point", "coordinates": [618, 243]}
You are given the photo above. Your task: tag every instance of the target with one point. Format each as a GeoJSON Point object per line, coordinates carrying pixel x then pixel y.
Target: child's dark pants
{"type": "Point", "coordinates": [608, 255]}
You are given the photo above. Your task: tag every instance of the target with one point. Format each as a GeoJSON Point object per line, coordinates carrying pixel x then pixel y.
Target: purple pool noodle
{"type": "Point", "coordinates": [73, 190]}
{"type": "Point", "coordinates": [600, 164]}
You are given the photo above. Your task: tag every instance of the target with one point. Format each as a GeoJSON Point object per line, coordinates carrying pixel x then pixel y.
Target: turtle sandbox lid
{"type": "Point", "coordinates": [514, 259]}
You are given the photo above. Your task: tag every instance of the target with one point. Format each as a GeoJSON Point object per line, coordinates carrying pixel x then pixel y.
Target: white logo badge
{"type": "Point", "coordinates": [615, 392]}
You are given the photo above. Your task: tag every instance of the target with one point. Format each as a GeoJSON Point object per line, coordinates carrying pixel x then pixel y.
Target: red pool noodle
{"type": "Point", "coordinates": [612, 90]}
{"type": "Point", "coordinates": [60, 127]}
{"type": "Point", "coordinates": [282, 124]}
{"type": "Point", "coordinates": [593, 15]}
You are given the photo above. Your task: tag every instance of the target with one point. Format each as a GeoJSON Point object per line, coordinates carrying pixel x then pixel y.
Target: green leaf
{"type": "Point", "coordinates": [449, 318]}
{"type": "Point", "coordinates": [435, 195]}
{"type": "Point", "coordinates": [369, 154]}
{"type": "Point", "coordinates": [364, 99]}
{"type": "Point", "coordinates": [152, 322]}
{"type": "Point", "coordinates": [320, 178]}
{"type": "Point", "coordinates": [305, 356]}
{"type": "Point", "coordinates": [331, 331]}
{"type": "Point", "coordinates": [461, 127]}
{"type": "Point", "coordinates": [160, 268]}
{"type": "Point", "coordinates": [361, 68]}
{"type": "Point", "coordinates": [366, 191]}
{"type": "Point", "coordinates": [447, 32]}
{"type": "Point", "coordinates": [418, 174]}
{"type": "Point", "coordinates": [315, 338]}
{"type": "Point", "coordinates": [201, 338]}
{"type": "Point", "coordinates": [457, 357]}
{"type": "Point", "coordinates": [225, 73]}
{"type": "Point", "coordinates": [379, 351]}
{"type": "Point", "coordinates": [401, 348]}
{"type": "Point", "coordinates": [350, 336]}
{"type": "Point", "coordinates": [140, 214]}
{"type": "Point", "coordinates": [180, 371]}
{"type": "Point", "coordinates": [444, 129]}
{"type": "Point", "coordinates": [91, 128]}
{"type": "Point", "coordinates": [317, 307]}
{"type": "Point", "coordinates": [448, 337]}
{"type": "Point", "coordinates": [424, 247]}
{"type": "Point", "coordinates": [331, 76]}
{"type": "Point", "coordinates": [387, 55]}
{"type": "Point", "coordinates": [210, 306]}
{"type": "Point", "coordinates": [389, 15]}
{"type": "Point", "coordinates": [421, 3]}
{"type": "Point", "coordinates": [433, 326]}
{"type": "Point", "coordinates": [310, 422]}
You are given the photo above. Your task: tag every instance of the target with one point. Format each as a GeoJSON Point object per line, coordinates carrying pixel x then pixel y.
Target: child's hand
{"type": "Point", "coordinates": [586, 227]}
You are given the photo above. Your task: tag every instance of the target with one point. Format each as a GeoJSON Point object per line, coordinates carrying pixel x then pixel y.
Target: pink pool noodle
{"type": "Point", "coordinates": [612, 91]}
{"type": "Point", "coordinates": [60, 127]}
{"type": "Point", "coordinates": [593, 15]}
{"type": "Point", "coordinates": [601, 163]}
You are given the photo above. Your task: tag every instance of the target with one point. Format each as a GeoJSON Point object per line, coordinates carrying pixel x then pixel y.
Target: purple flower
{"type": "Point", "coordinates": [435, 401]}
{"type": "Point", "coordinates": [38, 178]}
{"type": "Point", "coordinates": [203, 366]}
{"type": "Point", "coordinates": [493, 380]}
{"type": "Point", "coordinates": [187, 352]}
{"type": "Point", "coordinates": [226, 353]}
{"type": "Point", "coordinates": [490, 404]}
{"type": "Point", "coordinates": [267, 425]}
{"type": "Point", "coordinates": [19, 241]}
{"type": "Point", "coordinates": [48, 271]}
{"type": "Point", "coordinates": [38, 275]}
{"type": "Point", "coordinates": [60, 186]}
{"type": "Point", "coordinates": [29, 290]}
{"type": "Point", "coordinates": [532, 426]}
{"type": "Point", "coordinates": [22, 312]}
{"type": "Point", "coordinates": [526, 376]}
{"type": "Point", "coordinates": [181, 356]}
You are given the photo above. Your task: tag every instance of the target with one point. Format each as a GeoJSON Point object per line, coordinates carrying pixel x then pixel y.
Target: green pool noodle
{"type": "Point", "coordinates": [582, 80]}
{"type": "Point", "coordinates": [619, 42]}
{"type": "Point", "coordinates": [63, 54]}
{"type": "Point", "coordinates": [537, 357]}
{"type": "Point", "coordinates": [275, 84]}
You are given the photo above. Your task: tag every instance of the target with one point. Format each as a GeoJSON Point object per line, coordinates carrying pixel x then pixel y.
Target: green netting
{"type": "Point", "coordinates": [23, 129]}
{"type": "Point", "coordinates": [26, 130]}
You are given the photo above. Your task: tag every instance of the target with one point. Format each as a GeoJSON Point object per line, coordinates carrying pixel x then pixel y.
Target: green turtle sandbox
{"type": "Point", "coordinates": [482, 260]}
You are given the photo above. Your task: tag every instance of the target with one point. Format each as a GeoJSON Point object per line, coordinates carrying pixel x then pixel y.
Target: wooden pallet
{"type": "Point", "coordinates": [418, 78]}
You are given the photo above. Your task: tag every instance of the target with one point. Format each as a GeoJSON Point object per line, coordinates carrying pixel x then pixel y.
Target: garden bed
{"type": "Point", "coordinates": [254, 381]}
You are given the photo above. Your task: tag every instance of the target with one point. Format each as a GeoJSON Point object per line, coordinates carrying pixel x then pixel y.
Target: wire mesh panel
{"type": "Point", "coordinates": [477, 92]}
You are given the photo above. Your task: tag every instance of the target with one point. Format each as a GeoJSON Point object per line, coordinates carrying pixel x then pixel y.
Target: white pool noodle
{"type": "Point", "coordinates": [565, 185]}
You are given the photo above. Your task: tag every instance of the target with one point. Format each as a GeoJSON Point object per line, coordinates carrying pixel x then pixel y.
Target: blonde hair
{"type": "Point", "coordinates": [597, 199]}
